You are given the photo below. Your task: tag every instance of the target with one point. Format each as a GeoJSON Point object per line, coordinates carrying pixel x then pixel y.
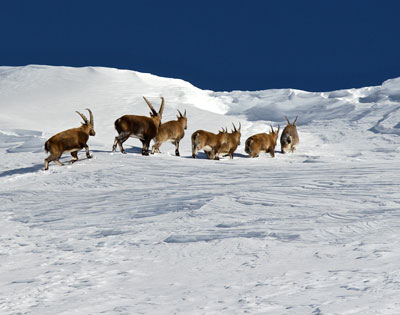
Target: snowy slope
{"type": "Point", "coordinates": [315, 232]}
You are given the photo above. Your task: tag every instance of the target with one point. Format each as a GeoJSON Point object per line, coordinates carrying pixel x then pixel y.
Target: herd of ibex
{"type": "Point", "coordinates": [145, 128]}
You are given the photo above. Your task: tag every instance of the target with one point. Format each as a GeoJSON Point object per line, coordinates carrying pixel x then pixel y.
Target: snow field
{"type": "Point", "coordinates": [315, 232]}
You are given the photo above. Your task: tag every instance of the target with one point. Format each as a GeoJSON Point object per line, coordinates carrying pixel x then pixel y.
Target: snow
{"type": "Point", "coordinates": [314, 232]}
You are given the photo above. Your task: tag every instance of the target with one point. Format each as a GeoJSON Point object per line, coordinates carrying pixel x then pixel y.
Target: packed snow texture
{"type": "Point", "coordinates": [314, 232]}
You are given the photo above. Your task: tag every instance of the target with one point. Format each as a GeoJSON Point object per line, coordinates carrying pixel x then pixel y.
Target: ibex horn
{"type": "Point", "coordinates": [91, 115]}
{"type": "Point", "coordinates": [83, 117]}
{"type": "Point", "coordinates": [151, 106]}
{"type": "Point", "coordinates": [162, 106]}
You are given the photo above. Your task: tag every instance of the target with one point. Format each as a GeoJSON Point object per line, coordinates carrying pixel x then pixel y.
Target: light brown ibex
{"type": "Point", "coordinates": [71, 140]}
{"type": "Point", "coordinates": [141, 127]}
{"type": "Point", "coordinates": [232, 142]}
{"type": "Point", "coordinates": [262, 142]}
{"type": "Point", "coordinates": [289, 137]}
{"type": "Point", "coordinates": [209, 142]}
{"type": "Point", "coordinates": [172, 131]}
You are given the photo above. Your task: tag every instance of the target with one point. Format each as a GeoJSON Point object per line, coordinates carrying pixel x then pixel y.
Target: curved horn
{"type": "Point", "coordinates": [287, 120]}
{"type": "Point", "coordinates": [234, 128]}
{"type": "Point", "coordinates": [162, 106]}
{"type": "Point", "coordinates": [151, 106]}
{"type": "Point", "coordinates": [240, 126]}
{"type": "Point", "coordinates": [272, 129]}
{"type": "Point", "coordinates": [91, 116]}
{"type": "Point", "coordinates": [83, 117]}
{"type": "Point", "coordinates": [180, 114]}
{"type": "Point", "coordinates": [184, 114]}
{"type": "Point", "coordinates": [294, 123]}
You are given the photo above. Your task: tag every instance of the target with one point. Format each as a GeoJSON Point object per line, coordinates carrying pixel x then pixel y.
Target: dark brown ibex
{"type": "Point", "coordinates": [141, 127]}
{"type": "Point", "coordinates": [172, 131]}
{"type": "Point", "coordinates": [71, 140]}
{"type": "Point", "coordinates": [289, 138]}
{"type": "Point", "coordinates": [262, 142]}
{"type": "Point", "coordinates": [232, 142]}
{"type": "Point", "coordinates": [209, 142]}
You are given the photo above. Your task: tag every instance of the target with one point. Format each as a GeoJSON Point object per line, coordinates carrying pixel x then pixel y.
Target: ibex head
{"type": "Point", "coordinates": [154, 113]}
{"type": "Point", "coordinates": [274, 133]}
{"type": "Point", "coordinates": [236, 133]}
{"type": "Point", "coordinates": [182, 118]}
{"type": "Point", "coordinates": [294, 122]}
{"type": "Point", "coordinates": [88, 124]}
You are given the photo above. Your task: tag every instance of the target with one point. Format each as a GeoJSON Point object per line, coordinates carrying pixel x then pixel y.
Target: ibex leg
{"type": "Point", "coordinates": [177, 148]}
{"type": "Point", "coordinates": [74, 157]}
{"type": "Point", "coordinates": [87, 152]}
{"type": "Point", "coordinates": [120, 139]}
{"type": "Point", "coordinates": [156, 148]}
{"type": "Point", "coordinates": [145, 148]}
{"type": "Point", "coordinates": [50, 159]}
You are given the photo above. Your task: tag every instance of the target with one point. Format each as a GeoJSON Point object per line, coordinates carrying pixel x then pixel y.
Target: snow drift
{"type": "Point", "coordinates": [312, 232]}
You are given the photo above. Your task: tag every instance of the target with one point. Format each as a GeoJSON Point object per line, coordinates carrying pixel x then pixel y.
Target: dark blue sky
{"type": "Point", "coordinates": [314, 45]}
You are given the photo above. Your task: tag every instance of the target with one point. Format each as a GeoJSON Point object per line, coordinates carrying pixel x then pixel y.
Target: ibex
{"type": "Point", "coordinates": [172, 131]}
{"type": "Point", "coordinates": [209, 142]}
{"type": "Point", "coordinates": [71, 140]}
{"type": "Point", "coordinates": [262, 142]}
{"type": "Point", "coordinates": [232, 142]}
{"type": "Point", "coordinates": [289, 138]}
{"type": "Point", "coordinates": [141, 127]}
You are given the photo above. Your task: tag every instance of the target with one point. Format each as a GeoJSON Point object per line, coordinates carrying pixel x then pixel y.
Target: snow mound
{"type": "Point", "coordinates": [311, 232]}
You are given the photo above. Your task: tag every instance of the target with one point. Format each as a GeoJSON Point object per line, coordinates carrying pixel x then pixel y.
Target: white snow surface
{"type": "Point", "coordinates": [314, 232]}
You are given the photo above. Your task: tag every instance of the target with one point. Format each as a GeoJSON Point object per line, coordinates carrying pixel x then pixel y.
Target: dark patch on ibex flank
{"type": "Point", "coordinates": [142, 127]}
{"type": "Point", "coordinates": [71, 140]}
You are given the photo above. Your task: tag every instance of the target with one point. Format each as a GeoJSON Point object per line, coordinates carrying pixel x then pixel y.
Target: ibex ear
{"type": "Point", "coordinates": [240, 127]}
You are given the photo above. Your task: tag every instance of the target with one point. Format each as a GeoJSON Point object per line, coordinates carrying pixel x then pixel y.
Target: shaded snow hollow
{"type": "Point", "coordinates": [315, 232]}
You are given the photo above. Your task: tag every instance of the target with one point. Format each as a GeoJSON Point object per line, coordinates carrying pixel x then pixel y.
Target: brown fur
{"type": "Point", "coordinates": [232, 142]}
{"type": "Point", "coordinates": [172, 131]}
{"type": "Point", "coordinates": [209, 142]}
{"type": "Point", "coordinates": [289, 137]}
{"type": "Point", "coordinates": [262, 142]}
{"type": "Point", "coordinates": [141, 127]}
{"type": "Point", "coordinates": [71, 140]}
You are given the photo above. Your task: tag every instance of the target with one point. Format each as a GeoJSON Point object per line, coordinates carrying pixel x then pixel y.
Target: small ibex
{"type": "Point", "coordinates": [209, 142]}
{"type": "Point", "coordinates": [172, 131]}
{"type": "Point", "coordinates": [232, 142]}
{"type": "Point", "coordinates": [71, 140]}
{"type": "Point", "coordinates": [289, 138]}
{"type": "Point", "coordinates": [141, 127]}
{"type": "Point", "coordinates": [262, 142]}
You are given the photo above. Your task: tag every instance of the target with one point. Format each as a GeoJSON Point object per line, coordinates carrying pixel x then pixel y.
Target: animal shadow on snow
{"type": "Point", "coordinates": [23, 170]}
